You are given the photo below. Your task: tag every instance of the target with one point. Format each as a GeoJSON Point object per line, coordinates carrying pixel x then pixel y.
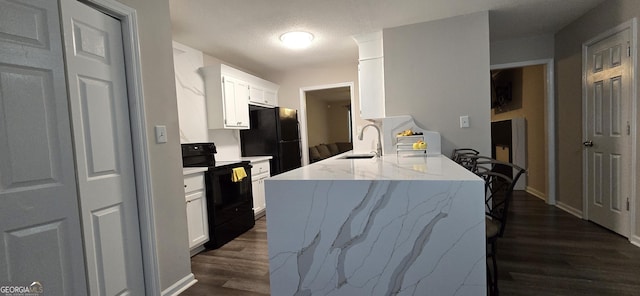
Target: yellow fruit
{"type": "Point", "coordinates": [422, 145]}
{"type": "Point", "coordinates": [416, 146]}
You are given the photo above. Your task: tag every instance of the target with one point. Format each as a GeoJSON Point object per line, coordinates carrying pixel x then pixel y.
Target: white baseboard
{"type": "Point", "coordinates": [180, 286]}
{"type": "Point", "coordinates": [536, 193]}
{"type": "Point", "coordinates": [569, 209]}
{"type": "Point", "coordinates": [635, 240]}
{"type": "Point", "coordinates": [259, 214]}
{"type": "Point", "coordinates": [197, 250]}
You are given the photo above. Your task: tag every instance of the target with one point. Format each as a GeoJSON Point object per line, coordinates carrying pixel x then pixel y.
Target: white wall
{"type": "Point", "coordinates": [522, 49]}
{"type": "Point", "coordinates": [154, 27]}
{"type": "Point", "coordinates": [437, 71]}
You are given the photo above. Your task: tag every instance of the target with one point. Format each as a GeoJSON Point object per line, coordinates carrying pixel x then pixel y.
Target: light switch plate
{"type": "Point", "coordinates": [161, 134]}
{"type": "Point", "coordinates": [464, 121]}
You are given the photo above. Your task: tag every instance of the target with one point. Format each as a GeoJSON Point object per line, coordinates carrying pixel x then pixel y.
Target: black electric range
{"type": "Point", "coordinates": [229, 199]}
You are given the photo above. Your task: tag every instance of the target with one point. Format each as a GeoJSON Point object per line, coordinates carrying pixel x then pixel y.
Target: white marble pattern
{"type": "Point", "coordinates": [227, 143]}
{"type": "Point", "coordinates": [392, 228]}
{"type": "Point", "coordinates": [190, 94]}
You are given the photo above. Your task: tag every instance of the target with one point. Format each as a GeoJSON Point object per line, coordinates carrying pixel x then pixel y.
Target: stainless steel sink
{"type": "Point", "coordinates": [357, 156]}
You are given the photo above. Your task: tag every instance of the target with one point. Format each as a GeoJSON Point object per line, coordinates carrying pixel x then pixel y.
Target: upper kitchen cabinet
{"type": "Point", "coordinates": [230, 91]}
{"type": "Point", "coordinates": [235, 102]}
{"type": "Point", "coordinates": [371, 75]}
{"type": "Point", "coordinates": [227, 98]}
{"type": "Point", "coordinates": [263, 93]}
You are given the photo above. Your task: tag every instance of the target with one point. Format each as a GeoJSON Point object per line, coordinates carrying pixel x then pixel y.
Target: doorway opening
{"type": "Point", "coordinates": [523, 124]}
{"type": "Point", "coordinates": [326, 118]}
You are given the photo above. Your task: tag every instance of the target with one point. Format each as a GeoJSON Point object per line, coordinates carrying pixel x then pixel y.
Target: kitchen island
{"type": "Point", "coordinates": [380, 226]}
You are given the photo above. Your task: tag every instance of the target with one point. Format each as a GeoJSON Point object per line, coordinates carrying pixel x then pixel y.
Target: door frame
{"type": "Point", "coordinates": [550, 119]}
{"type": "Point", "coordinates": [302, 116]}
{"type": "Point", "coordinates": [632, 25]}
{"type": "Point", "coordinates": [129, 21]}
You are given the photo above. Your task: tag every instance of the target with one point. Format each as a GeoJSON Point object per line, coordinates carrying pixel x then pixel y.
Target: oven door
{"type": "Point", "coordinates": [227, 200]}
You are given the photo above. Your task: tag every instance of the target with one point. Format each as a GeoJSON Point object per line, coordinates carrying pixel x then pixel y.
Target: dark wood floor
{"type": "Point", "coordinates": [241, 267]}
{"type": "Point", "coordinates": [544, 251]}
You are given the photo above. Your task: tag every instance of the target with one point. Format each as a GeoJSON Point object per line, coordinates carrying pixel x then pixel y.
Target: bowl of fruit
{"type": "Point", "coordinates": [408, 132]}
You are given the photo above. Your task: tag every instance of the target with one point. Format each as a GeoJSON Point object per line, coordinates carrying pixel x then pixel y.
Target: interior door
{"type": "Point", "coordinates": [102, 141]}
{"type": "Point", "coordinates": [40, 228]}
{"type": "Point", "coordinates": [608, 129]}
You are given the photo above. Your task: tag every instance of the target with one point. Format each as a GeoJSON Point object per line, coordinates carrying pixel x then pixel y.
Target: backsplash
{"type": "Point", "coordinates": [190, 94]}
{"type": "Point", "coordinates": [192, 106]}
{"type": "Point", "coordinates": [227, 143]}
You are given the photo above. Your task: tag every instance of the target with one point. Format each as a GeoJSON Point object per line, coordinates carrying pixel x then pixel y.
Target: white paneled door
{"type": "Point", "coordinates": [40, 242]}
{"type": "Point", "coordinates": [608, 132]}
{"type": "Point", "coordinates": [102, 141]}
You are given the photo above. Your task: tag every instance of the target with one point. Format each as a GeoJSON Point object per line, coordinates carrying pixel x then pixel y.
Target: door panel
{"type": "Point", "coordinates": [39, 221]}
{"type": "Point", "coordinates": [98, 125]}
{"type": "Point", "coordinates": [102, 139]}
{"type": "Point", "coordinates": [607, 113]}
{"type": "Point", "coordinates": [26, 23]}
{"type": "Point", "coordinates": [108, 234]}
{"type": "Point", "coordinates": [28, 103]}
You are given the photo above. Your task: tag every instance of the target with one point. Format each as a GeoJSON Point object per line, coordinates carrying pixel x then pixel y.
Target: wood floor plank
{"type": "Point", "coordinates": [544, 251]}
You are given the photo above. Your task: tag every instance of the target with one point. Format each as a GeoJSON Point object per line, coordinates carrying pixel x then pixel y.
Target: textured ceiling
{"type": "Point", "coordinates": [246, 33]}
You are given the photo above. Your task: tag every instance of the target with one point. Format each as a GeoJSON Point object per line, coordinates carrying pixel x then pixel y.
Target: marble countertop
{"type": "Point", "coordinates": [257, 158]}
{"type": "Point", "coordinates": [387, 167]}
{"type": "Point", "coordinates": [220, 163]}
{"type": "Point", "coordinates": [189, 171]}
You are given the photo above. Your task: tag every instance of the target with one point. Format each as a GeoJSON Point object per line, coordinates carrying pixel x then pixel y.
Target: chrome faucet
{"type": "Point", "coordinates": [379, 146]}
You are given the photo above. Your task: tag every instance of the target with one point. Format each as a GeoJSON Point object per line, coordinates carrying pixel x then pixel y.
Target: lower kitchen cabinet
{"type": "Point", "coordinates": [257, 185]}
{"type": "Point", "coordinates": [197, 222]}
{"type": "Point", "coordinates": [259, 172]}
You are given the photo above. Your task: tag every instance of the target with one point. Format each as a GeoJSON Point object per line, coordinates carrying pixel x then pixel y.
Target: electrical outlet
{"type": "Point", "coordinates": [464, 121]}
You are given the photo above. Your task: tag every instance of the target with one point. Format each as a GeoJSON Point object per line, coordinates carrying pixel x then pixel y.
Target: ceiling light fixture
{"type": "Point", "coordinates": [296, 40]}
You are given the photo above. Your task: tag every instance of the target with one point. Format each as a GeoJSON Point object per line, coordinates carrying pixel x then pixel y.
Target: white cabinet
{"type": "Point", "coordinates": [261, 96]}
{"type": "Point", "coordinates": [257, 185]}
{"type": "Point", "coordinates": [197, 223]}
{"type": "Point", "coordinates": [262, 92]}
{"type": "Point", "coordinates": [236, 103]}
{"type": "Point", "coordinates": [371, 75]}
{"type": "Point", "coordinates": [227, 98]}
{"type": "Point", "coordinates": [259, 172]}
{"type": "Point", "coordinates": [229, 91]}
{"type": "Point", "coordinates": [271, 97]}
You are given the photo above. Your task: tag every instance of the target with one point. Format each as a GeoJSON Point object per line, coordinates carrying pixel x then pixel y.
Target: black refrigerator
{"type": "Point", "coordinates": [273, 131]}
